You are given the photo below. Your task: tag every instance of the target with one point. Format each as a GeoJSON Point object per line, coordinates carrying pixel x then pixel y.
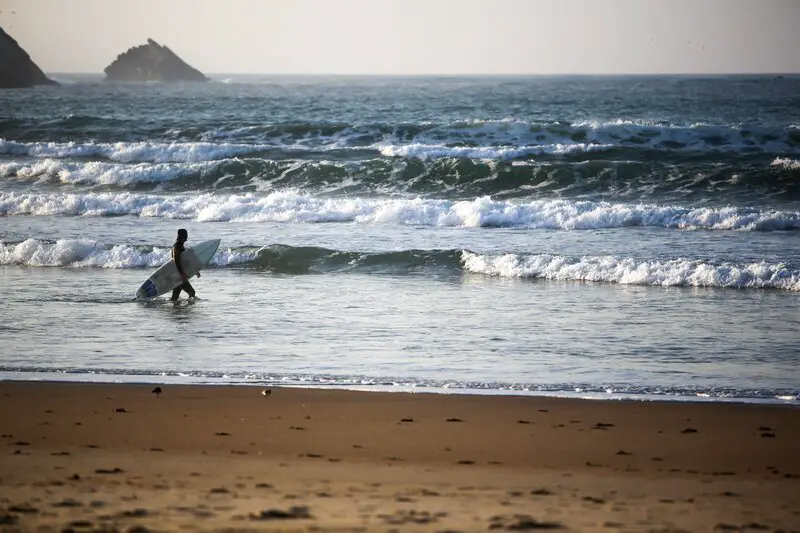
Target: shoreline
{"type": "Point", "coordinates": [116, 456]}
{"type": "Point", "coordinates": [789, 400]}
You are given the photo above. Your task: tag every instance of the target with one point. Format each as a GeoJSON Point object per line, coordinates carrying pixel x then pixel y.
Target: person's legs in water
{"type": "Point", "coordinates": [186, 286]}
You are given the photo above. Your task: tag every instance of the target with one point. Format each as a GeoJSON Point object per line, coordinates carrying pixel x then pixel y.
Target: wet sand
{"type": "Point", "coordinates": [96, 457]}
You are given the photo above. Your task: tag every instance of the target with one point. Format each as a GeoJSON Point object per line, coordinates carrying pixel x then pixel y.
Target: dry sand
{"type": "Point", "coordinates": [95, 457]}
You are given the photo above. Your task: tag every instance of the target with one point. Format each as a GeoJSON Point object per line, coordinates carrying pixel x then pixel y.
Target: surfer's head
{"type": "Point", "coordinates": [183, 235]}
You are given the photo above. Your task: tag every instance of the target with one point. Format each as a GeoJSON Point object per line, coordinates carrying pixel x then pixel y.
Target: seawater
{"type": "Point", "coordinates": [606, 237]}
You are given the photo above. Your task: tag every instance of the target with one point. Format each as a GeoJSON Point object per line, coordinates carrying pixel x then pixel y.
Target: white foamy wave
{"type": "Point", "coordinates": [132, 152]}
{"type": "Point", "coordinates": [433, 151]}
{"type": "Point", "coordinates": [97, 172]}
{"type": "Point", "coordinates": [571, 215]}
{"type": "Point", "coordinates": [534, 138]}
{"type": "Point", "coordinates": [85, 253]}
{"type": "Point", "coordinates": [629, 271]}
{"type": "Point", "coordinates": [78, 253]}
{"type": "Point", "coordinates": [787, 163]}
{"type": "Point", "coordinates": [697, 136]}
{"type": "Point", "coordinates": [295, 207]}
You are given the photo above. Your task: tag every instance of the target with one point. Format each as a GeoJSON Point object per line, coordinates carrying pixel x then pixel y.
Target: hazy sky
{"type": "Point", "coordinates": [417, 36]}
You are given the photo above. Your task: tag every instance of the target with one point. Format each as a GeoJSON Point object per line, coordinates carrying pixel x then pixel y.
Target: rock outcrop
{"type": "Point", "coordinates": [17, 70]}
{"type": "Point", "coordinates": [151, 62]}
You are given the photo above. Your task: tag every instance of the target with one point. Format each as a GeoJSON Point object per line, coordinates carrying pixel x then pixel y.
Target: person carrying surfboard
{"type": "Point", "coordinates": [177, 250]}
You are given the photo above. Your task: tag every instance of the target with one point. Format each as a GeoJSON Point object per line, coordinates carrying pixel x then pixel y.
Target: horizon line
{"type": "Point", "coordinates": [473, 74]}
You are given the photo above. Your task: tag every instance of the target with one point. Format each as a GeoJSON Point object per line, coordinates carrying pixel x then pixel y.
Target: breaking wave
{"type": "Point", "coordinates": [216, 141]}
{"type": "Point", "coordinates": [679, 272]}
{"type": "Point", "coordinates": [630, 271]}
{"type": "Point", "coordinates": [298, 207]}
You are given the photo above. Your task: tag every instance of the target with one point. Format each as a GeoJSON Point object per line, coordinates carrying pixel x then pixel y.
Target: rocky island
{"type": "Point", "coordinates": [151, 62]}
{"type": "Point", "coordinates": [17, 70]}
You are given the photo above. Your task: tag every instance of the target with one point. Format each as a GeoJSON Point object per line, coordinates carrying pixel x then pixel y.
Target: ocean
{"type": "Point", "coordinates": [600, 237]}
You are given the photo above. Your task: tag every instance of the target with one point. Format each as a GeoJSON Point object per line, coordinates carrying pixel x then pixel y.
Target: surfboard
{"type": "Point", "coordinates": [167, 277]}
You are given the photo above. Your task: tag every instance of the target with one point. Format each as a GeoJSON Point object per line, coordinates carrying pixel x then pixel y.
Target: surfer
{"type": "Point", "coordinates": [177, 250]}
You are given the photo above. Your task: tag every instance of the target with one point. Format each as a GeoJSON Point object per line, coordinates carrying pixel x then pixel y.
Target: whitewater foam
{"type": "Point", "coordinates": [293, 206]}
{"type": "Point", "coordinates": [787, 163]}
{"type": "Point", "coordinates": [533, 138]}
{"type": "Point", "coordinates": [629, 271]}
{"type": "Point", "coordinates": [86, 253]}
{"type": "Point", "coordinates": [78, 253]}
{"type": "Point", "coordinates": [479, 139]}
{"type": "Point", "coordinates": [132, 152]}
{"type": "Point", "coordinates": [434, 151]}
{"type": "Point", "coordinates": [101, 173]}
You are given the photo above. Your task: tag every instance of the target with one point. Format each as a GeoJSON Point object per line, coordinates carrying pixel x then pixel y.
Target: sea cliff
{"type": "Point", "coordinates": [17, 70]}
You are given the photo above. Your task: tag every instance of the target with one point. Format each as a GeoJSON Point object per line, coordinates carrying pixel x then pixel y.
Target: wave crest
{"type": "Point", "coordinates": [198, 143]}
{"type": "Point", "coordinates": [294, 260]}
{"type": "Point", "coordinates": [629, 271]}
{"type": "Point", "coordinates": [297, 207]}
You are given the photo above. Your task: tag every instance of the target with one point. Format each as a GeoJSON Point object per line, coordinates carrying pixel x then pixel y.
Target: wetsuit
{"type": "Point", "coordinates": [177, 250]}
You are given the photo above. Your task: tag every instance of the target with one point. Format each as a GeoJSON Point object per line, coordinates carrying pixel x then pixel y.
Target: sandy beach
{"type": "Point", "coordinates": [97, 457]}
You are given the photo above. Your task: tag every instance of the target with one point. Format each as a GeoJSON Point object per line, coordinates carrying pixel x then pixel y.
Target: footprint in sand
{"type": "Point", "coordinates": [520, 523]}
{"type": "Point", "coordinates": [411, 516]}
{"type": "Point", "coordinates": [79, 524]}
{"type": "Point", "coordinates": [109, 471]}
{"type": "Point", "coordinates": [593, 499]}
{"type": "Point", "coordinates": [69, 502]}
{"type": "Point", "coordinates": [23, 508]}
{"type": "Point", "coordinates": [139, 512]}
{"type": "Point", "coordinates": [295, 512]}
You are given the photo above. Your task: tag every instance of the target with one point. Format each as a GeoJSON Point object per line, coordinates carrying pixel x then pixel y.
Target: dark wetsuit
{"type": "Point", "coordinates": [177, 250]}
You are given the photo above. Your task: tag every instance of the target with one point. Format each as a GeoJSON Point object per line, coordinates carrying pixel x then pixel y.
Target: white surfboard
{"type": "Point", "coordinates": [167, 277]}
